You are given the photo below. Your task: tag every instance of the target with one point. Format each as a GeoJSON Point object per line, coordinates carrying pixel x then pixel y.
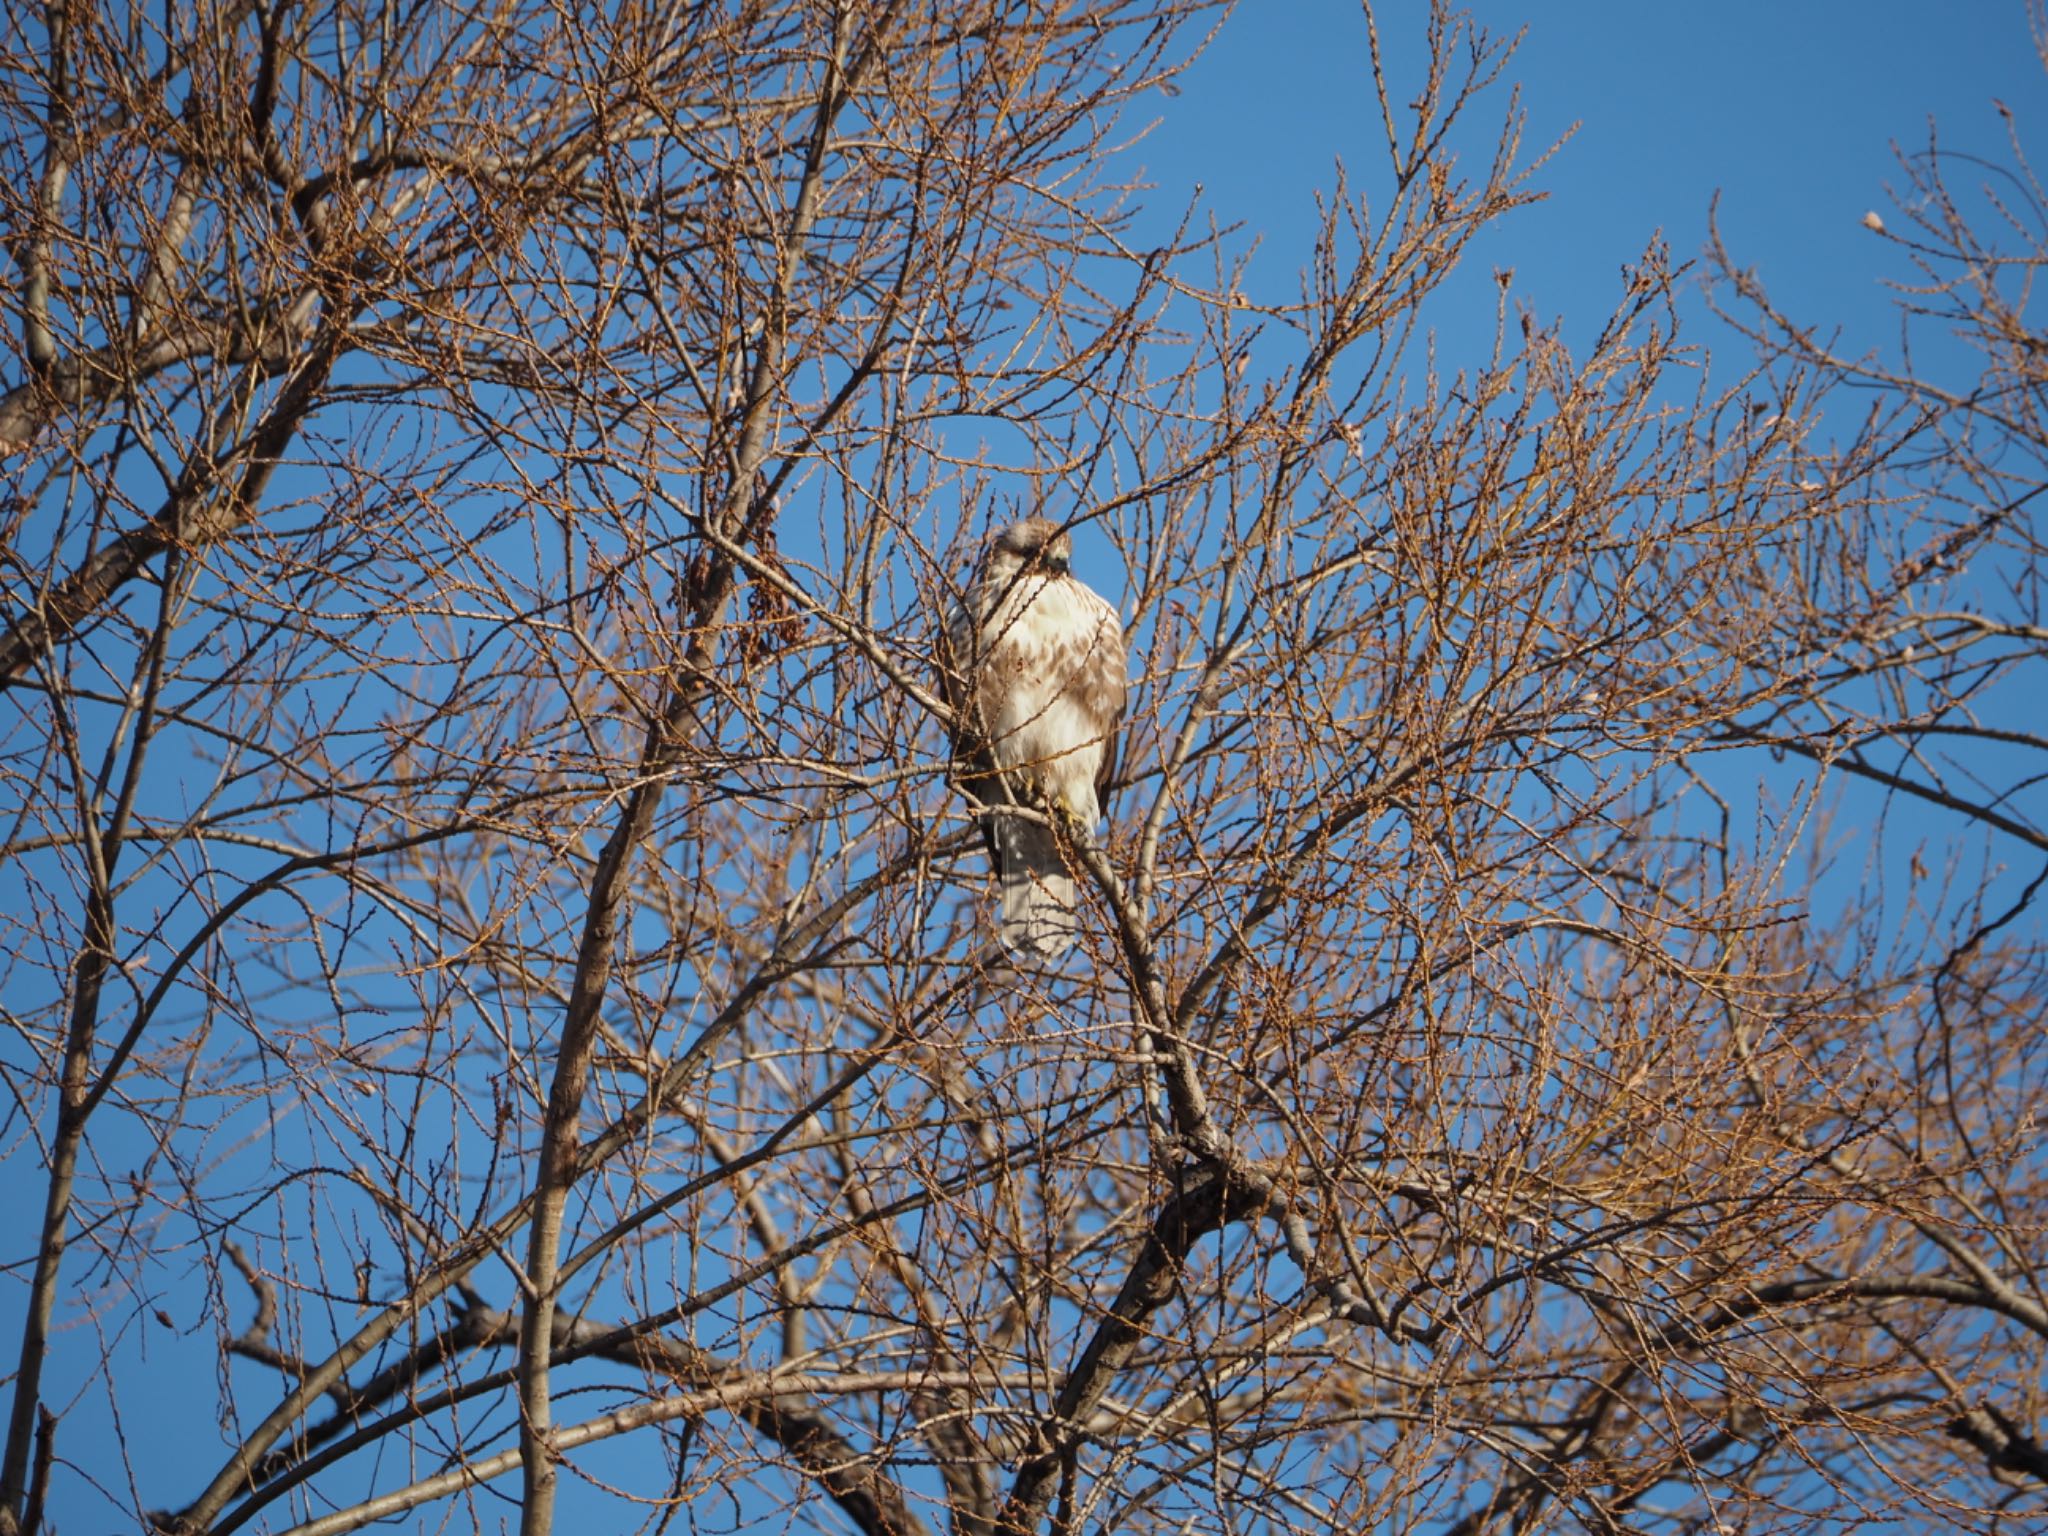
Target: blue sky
{"type": "Point", "coordinates": [1792, 115]}
{"type": "Point", "coordinates": [1789, 110]}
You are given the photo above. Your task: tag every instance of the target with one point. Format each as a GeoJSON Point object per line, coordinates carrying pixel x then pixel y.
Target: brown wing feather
{"type": "Point", "coordinates": [1111, 740]}
{"type": "Point", "coordinates": [1102, 684]}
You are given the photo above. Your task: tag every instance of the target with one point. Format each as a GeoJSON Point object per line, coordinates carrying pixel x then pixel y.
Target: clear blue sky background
{"type": "Point", "coordinates": [1788, 109]}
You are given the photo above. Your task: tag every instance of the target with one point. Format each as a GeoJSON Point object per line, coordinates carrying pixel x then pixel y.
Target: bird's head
{"type": "Point", "coordinates": [1036, 544]}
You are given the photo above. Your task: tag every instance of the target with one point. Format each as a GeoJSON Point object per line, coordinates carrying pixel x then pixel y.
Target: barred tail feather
{"type": "Point", "coordinates": [1038, 914]}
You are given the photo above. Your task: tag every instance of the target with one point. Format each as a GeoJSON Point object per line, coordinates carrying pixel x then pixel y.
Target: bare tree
{"type": "Point", "coordinates": [499, 986]}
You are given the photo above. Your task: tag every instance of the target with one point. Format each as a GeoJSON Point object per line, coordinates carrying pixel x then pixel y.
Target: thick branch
{"type": "Point", "coordinates": [1213, 1201]}
{"type": "Point", "coordinates": [200, 511]}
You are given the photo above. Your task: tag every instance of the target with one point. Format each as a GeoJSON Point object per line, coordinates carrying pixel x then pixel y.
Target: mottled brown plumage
{"type": "Point", "coordinates": [1032, 664]}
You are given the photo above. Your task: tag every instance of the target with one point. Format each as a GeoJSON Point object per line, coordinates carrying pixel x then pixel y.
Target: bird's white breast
{"type": "Point", "coordinates": [1049, 659]}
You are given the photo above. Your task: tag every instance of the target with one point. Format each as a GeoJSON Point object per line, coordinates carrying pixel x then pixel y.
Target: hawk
{"type": "Point", "coordinates": [1032, 665]}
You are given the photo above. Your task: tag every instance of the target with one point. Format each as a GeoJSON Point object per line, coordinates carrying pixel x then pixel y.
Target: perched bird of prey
{"type": "Point", "coordinates": [1032, 664]}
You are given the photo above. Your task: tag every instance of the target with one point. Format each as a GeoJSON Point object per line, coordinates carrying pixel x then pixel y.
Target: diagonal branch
{"type": "Point", "coordinates": [201, 509]}
{"type": "Point", "coordinates": [1214, 1200]}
